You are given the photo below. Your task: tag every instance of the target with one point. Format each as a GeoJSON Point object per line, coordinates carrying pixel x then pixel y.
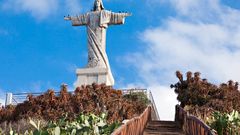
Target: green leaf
{"type": "Point", "coordinates": [36, 132]}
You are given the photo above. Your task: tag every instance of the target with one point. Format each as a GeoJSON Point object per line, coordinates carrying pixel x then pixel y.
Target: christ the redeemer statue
{"type": "Point", "coordinates": [97, 22]}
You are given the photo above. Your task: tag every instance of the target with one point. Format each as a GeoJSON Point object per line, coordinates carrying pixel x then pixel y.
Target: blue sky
{"type": "Point", "coordinates": [39, 50]}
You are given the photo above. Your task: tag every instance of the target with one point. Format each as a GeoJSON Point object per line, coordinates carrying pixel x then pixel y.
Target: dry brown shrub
{"type": "Point", "coordinates": [86, 99]}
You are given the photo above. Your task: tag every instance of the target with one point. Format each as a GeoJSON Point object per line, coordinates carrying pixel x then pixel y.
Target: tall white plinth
{"type": "Point", "coordinates": [87, 76]}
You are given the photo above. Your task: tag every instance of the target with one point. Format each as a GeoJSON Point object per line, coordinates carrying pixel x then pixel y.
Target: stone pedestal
{"type": "Point", "coordinates": [87, 76]}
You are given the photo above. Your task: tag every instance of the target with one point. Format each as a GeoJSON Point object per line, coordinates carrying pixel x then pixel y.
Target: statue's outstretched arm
{"type": "Point", "coordinates": [77, 20]}
{"type": "Point", "coordinates": [118, 18]}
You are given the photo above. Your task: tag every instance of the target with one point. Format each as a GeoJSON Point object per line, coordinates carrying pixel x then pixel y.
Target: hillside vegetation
{"type": "Point", "coordinates": [92, 99]}
{"type": "Point", "coordinates": [217, 105]}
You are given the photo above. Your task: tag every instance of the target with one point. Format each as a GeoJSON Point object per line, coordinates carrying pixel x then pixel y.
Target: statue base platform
{"type": "Point", "coordinates": [87, 76]}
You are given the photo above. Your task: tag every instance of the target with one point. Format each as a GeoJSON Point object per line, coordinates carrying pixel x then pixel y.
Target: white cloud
{"type": "Point", "coordinates": [165, 100]}
{"type": "Point", "coordinates": [212, 48]}
{"type": "Point", "coordinates": [73, 6]}
{"type": "Point", "coordinates": [38, 9]}
{"type": "Point", "coordinates": [196, 8]}
{"type": "Point", "coordinates": [204, 36]}
{"type": "Point", "coordinates": [42, 9]}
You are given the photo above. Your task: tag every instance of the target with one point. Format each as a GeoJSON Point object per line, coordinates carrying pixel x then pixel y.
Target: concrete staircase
{"type": "Point", "coordinates": [162, 128]}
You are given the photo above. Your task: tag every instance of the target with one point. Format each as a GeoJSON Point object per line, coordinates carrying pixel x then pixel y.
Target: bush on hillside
{"type": "Point", "coordinates": [195, 93]}
{"type": "Point", "coordinates": [139, 97]}
{"type": "Point", "coordinates": [93, 98]}
{"type": "Point", "coordinates": [206, 100]}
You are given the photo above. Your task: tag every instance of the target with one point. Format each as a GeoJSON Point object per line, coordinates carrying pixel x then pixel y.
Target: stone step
{"type": "Point", "coordinates": [162, 128]}
{"type": "Point", "coordinates": [162, 124]}
{"type": "Point", "coordinates": [163, 133]}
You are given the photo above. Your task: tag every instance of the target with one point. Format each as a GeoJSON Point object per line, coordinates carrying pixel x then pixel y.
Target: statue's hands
{"type": "Point", "coordinates": [128, 14]}
{"type": "Point", "coordinates": [67, 17]}
{"type": "Point", "coordinates": [125, 14]}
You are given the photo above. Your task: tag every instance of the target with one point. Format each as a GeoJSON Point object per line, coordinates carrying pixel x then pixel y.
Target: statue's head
{"type": "Point", "coordinates": [98, 5]}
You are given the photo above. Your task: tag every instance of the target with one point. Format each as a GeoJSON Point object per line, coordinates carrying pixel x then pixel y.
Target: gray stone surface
{"type": "Point", "coordinates": [93, 75]}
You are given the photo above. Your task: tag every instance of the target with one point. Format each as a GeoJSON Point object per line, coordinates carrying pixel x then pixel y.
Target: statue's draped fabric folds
{"type": "Point", "coordinates": [97, 22]}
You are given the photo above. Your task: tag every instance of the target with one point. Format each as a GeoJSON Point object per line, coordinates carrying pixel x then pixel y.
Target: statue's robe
{"type": "Point", "coordinates": [97, 23]}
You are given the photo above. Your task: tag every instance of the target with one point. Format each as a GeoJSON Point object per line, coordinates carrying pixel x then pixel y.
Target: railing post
{"type": "Point", "coordinates": [179, 117]}
{"type": "Point", "coordinates": [150, 109]}
{"type": "Point", "coordinates": [176, 114]}
{"type": "Point", "coordinates": [8, 100]}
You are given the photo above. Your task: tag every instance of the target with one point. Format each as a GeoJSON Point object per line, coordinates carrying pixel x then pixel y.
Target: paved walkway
{"type": "Point", "coordinates": [162, 128]}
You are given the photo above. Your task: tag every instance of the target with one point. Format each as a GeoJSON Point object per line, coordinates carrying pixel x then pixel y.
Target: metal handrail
{"type": "Point", "coordinates": [135, 90]}
{"type": "Point", "coordinates": [154, 105]}
{"type": "Point", "coordinates": [21, 97]}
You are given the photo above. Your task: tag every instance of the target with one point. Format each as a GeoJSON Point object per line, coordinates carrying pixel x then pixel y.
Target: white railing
{"type": "Point", "coordinates": [135, 90]}
{"type": "Point", "coordinates": [16, 98]}
{"type": "Point", "coordinates": [156, 115]}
